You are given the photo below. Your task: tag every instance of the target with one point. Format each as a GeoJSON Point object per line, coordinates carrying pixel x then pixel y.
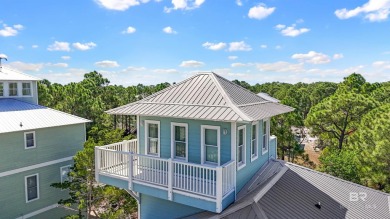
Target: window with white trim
{"type": "Point", "coordinates": [32, 187]}
{"type": "Point", "coordinates": [26, 89]}
{"type": "Point", "coordinates": [29, 140]}
{"type": "Point", "coordinates": [12, 89]}
{"type": "Point", "coordinates": [210, 144]}
{"type": "Point", "coordinates": [65, 173]}
{"type": "Point", "coordinates": [241, 142]}
{"type": "Point", "coordinates": [254, 145]}
{"type": "Point", "coordinates": [179, 140]}
{"type": "Point", "coordinates": [1, 89]}
{"type": "Point", "coordinates": [265, 136]}
{"type": "Point", "coordinates": [152, 132]}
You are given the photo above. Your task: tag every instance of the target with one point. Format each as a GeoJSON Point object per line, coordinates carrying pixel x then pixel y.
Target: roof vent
{"type": "Point", "coordinates": [21, 124]}
{"type": "Point", "coordinates": [318, 205]}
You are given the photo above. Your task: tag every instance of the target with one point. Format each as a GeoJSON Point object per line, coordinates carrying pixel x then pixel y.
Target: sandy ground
{"type": "Point", "coordinates": [309, 149]}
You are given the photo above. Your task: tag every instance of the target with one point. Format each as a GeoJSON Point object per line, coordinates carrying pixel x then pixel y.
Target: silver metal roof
{"type": "Point", "coordinates": [8, 74]}
{"type": "Point", "coordinates": [294, 193]}
{"type": "Point", "coordinates": [268, 97]}
{"type": "Point", "coordinates": [15, 112]}
{"type": "Point", "coordinates": [205, 96]}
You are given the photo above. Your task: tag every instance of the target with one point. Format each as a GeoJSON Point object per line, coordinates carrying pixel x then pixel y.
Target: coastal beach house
{"type": "Point", "coordinates": [37, 145]}
{"type": "Point", "coordinates": [199, 142]}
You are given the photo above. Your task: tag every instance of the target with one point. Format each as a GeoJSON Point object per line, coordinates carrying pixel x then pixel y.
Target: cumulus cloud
{"type": "Point", "coordinates": [238, 64]}
{"type": "Point", "coordinates": [373, 10]}
{"type": "Point", "coordinates": [160, 70]}
{"type": "Point", "coordinates": [263, 46]}
{"type": "Point", "coordinates": [34, 46]}
{"type": "Point", "coordinates": [119, 5]}
{"type": "Point", "coordinates": [338, 56]}
{"type": "Point", "coordinates": [381, 65]}
{"type": "Point", "coordinates": [311, 57]}
{"type": "Point", "coordinates": [84, 46]}
{"type": "Point", "coordinates": [280, 67]}
{"type": "Point", "coordinates": [214, 46]}
{"type": "Point", "coordinates": [132, 68]}
{"type": "Point", "coordinates": [184, 5]}
{"type": "Point", "coordinates": [239, 2]}
{"type": "Point", "coordinates": [260, 12]}
{"type": "Point", "coordinates": [8, 31]}
{"type": "Point", "coordinates": [107, 64]}
{"type": "Point", "coordinates": [23, 66]}
{"type": "Point", "coordinates": [291, 31]}
{"type": "Point", "coordinates": [191, 63]}
{"type": "Point", "coordinates": [60, 64]}
{"type": "Point", "coordinates": [59, 46]}
{"type": "Point", "coordinates": [169, 30]}
{"type": "Point", "coordinates": [239, 46]}
{"type": "Point", "coordinates": [65, 57]}
{"type": "Point", "coordinates": [232, 57]}
{"type": "Point", "coordinates": [129, 30]}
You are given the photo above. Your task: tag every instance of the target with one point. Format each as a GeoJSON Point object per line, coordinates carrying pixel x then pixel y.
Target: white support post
{"type": "Point", "coordinates": [130, 171]}
{"type": "Point", "coordinates": [97, 163]}
{"type": "Point", "coordinates": [126, 146]}
{"type": "Point", "coordinates": [218, 190]}
{"type": "Point", "coordinates": [170, 179]}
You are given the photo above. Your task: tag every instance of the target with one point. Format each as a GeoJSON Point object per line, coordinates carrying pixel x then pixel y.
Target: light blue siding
{"type": "Point", "coordinates": [152, 207]}
{"type": "Point", "coordinates": [246, 173]}
{"type": "Point", "coordinates": [194, 138]}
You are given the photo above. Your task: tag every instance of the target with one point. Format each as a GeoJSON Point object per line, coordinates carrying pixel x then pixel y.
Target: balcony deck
{"type": "Point", "coordinates": [210, 183]}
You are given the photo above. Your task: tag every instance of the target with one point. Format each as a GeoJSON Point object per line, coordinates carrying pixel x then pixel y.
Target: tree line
{"type": "Point", "coordinates": [351, 119]}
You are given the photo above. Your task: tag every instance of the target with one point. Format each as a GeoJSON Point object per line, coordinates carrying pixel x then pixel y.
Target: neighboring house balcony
{"type": "Point", "coordinates": [203, 186]}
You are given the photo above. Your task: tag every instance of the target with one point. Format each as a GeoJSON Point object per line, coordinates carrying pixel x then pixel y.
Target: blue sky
{"type": "Point", "coordinates": [150, 41]}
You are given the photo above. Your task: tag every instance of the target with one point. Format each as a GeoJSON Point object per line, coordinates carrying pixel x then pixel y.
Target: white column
{"type": "Point", "coordinates": [130, 171]}
{"type": "Point", "coordinates": [170, 179]}
{"type": "Point", "coordinates": [97, 163]}
{"type": "Point", "coordinates": [219, 189]}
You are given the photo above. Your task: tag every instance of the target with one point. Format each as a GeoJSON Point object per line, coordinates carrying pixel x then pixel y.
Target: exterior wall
{"type": "Point", "coordinates": [30, 99]}
{"type": "Point", "coordinates": [13, 197]}
{"type": "Point", "coordinates": [194, 138]}
{"type": "Point", "coordinates": [158, 208]}
{"type": "Point", "coordinates": [247, 172]}
{"type": "Point", "coordinates": [52, 144]}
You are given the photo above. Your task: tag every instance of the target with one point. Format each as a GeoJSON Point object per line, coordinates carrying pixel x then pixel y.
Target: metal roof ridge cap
{"type": "Point", "coordinates": [255, 103]}
{"type": "Point", "coordinates": [270, 184]}
{"type": "Point", "coordinates": [184, 104]}
{"type": "Point", "coordinates": [230, 103]}
{"type": "Point", "coordinates": [336, 178]}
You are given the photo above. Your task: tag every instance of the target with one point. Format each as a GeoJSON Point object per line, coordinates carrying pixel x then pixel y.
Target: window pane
{"type": "Point", "coordinates": [212, 154]}
{"type": "Point", "coordinates": [153, 146]}
{"type": "Point", "coordinates": [32, 193]}
{"type": "Point", "coordinates": [239, 154]}
{"type": "Point", "coordinates": [254, 147]}
{"type": "Point", "coordinates": [253, 131]}
{"type": "Point", "coordinates": [211, 137]}
{"type": "Point", "coordinates": [180, 149]}
{"type": "Point", "coordinates": [264, 127]}
{"type": "Point", "coordinates": [1, 89]}
{"type": "Point", "coordinates": [153, 130]}
{"type": "Point", "coordinates": [32, 181]}
{"type": "Point", "coordinates": [241, 137]}
{"type": "Point", "coordinates": [30, 140]}
{"type": "Point", "coordinates": [26, 89]}
{"type": "Point", "coordinates": [265, 142]}
{"type": "Point", "coordinates": [13, 89]}
{"type": "Point", "coordinates": [180, 133]}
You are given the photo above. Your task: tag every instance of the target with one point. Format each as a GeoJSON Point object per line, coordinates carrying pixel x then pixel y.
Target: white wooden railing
{"type": "Point", "coordinates": [121, 160]}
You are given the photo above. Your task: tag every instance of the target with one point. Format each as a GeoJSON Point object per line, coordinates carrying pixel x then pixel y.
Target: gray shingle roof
{"type": "Point", "coordinates": [205, 96]}
{"type": "Point", "coordinates": [13, 112]}
{"type": "Point", "coordinates": [293, 192]}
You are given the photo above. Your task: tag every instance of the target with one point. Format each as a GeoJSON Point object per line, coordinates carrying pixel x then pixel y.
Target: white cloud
{"type": "Point", "coordinates": [184, 5]}
{"type": "Point", "coordinates": [338, 56]}
{"type": "Point", "coordinates": [232, 57]}
{"type": "Point", "coordinates": [59, 46]}
{"type": "Point", "coordinates": [278, 47]}
{"type": "Point", "coordinates": [34, 46]}
{"type": "Point", "coordinates": [291, 31]}
{"type": "Point", "coordinates": [191, 63]}
{"type": "Point", "coordinates": [381, 65]}
{"type": "Point", "coordinates": [84, 46]}
{"type": "Point", "coordinates": [60, 64]}
{"type": "Point", "coordinates": [260, 12]}
{"type": "Point", "coordinates": [132, 68]}
{"type": "Point", "coordinates": [263, 46]}
{"type": "Point", "coordinates": [129, 30]}
{"type": "Point", "coordinates": [22, 66]}
{"type": "Point", "coordinates": [373, 10]}
{"type": "Point", "coordinates": [311, 57]}
{"type": "Point", "coordinates": [65, 57]}
{"type": "Point", "coordinates": [280, 67]}
{"type": "Point", "coordinates": [239, 46]}
{"type": "Point", "coordinates": [8, 31]}
{"type": "Point", "coordinates": [119, 5]}
{"type": "Point", "coordinates": [169, 30]}
{"type": "Point", "coordinates": [214, 46]}
{"type": "Point", "coordinates": [238, 64]}
{"type": "Point", "coordinates": [107, 64]}
{"type": "Point", "coordinates": [239, 2]}
{"type": "Point", "coordinates": [170, 70]}
{"type": "Point", "coordinates": [20, 47]}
